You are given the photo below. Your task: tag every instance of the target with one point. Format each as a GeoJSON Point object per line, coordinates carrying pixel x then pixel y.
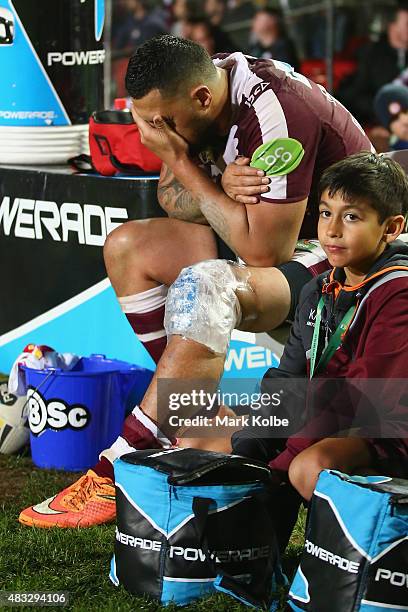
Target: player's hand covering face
{"type": "Point", "coordinates": [161, 139]}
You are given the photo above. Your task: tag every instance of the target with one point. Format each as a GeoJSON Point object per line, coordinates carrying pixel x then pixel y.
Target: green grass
{"type": "Point", "coordinates": [76, 561]}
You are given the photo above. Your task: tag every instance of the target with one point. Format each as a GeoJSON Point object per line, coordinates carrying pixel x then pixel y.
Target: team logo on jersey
{"type": "Point", "coordinates": [278, 157]}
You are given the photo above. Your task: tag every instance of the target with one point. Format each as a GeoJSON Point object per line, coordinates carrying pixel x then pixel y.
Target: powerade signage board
{"type": "Point", "coordinates": [51, 61]}
{"type": "Point", "coordinates": [54, 287]}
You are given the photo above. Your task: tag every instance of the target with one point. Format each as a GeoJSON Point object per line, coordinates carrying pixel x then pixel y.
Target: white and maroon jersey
{"type": "Point", "coordinates": [271, 101]}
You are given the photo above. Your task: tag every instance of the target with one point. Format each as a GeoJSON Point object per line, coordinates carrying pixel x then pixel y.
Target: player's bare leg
{"type": "Point", "coordinates": [142, 259]}
{"type": "Point", "coordinates": [263, 296]}
{"type": "Point", "coordinates": [349, 455]}
{"type": "Point", "coordinates": [263, 306]}
{"type": "Point", "coordinates": [266, 304]}
{"type": "Point", "coordinates": [142, 254]}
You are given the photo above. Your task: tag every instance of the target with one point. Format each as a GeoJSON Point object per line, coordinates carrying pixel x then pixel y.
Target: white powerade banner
{"type": "Point", "coordinates": [51, 61]}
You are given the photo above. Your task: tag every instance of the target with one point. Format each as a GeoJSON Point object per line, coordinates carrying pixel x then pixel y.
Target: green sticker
{"type": "Point", "coordinates": [278, 157]}
{"type": "Point", "coordinates": [305, 245]}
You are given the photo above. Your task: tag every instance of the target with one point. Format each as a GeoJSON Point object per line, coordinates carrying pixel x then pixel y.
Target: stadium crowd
{"type": "Point", "coordinates": [370, 49]}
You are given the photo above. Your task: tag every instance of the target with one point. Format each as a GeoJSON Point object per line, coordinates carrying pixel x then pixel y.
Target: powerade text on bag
{"type": "Point", "coordinates": [192, 522]}
{"type": "Point", "coordinates": [355, 557]}
{"type": "Point", "coordinates": [114, 141]}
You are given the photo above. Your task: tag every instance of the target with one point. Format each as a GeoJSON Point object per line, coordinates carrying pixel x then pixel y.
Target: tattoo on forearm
{"type": "Point", "coordinates": [175, 199]}
{"type": "Point", "coordinates": [216, 219]}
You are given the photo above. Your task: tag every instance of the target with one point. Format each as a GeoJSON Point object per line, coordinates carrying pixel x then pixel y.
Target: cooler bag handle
{"type": "Point", "coordinates": [82, 163]}
{"type": "Point", "coordinates": [224, 582]}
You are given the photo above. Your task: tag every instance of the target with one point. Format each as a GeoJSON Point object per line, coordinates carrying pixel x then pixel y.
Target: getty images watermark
{"type": "Point", "coordinates": [281, 407]}
{"type": "Point", "coordinates": [198, 408]}
{"type": "Point", "coordinates": [206, 402]}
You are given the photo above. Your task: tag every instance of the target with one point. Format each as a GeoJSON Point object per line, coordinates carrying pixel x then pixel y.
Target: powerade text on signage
{"type": "Point", "coordinates": [356, 549]}
{"type": "Point", "coordinates": [76, 58]}
{"type": "Point", "coordinates": [51, 61]}
{"type": "Point", "coordinates": [195, 554]}
{"type": "Point", "coordinates": [37, 219]}
{"type": "Point", "coordinates": [398, 579]}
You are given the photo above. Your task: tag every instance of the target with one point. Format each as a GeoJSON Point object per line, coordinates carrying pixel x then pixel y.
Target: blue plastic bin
{"type": "Point", "coordinates": [74, 415]}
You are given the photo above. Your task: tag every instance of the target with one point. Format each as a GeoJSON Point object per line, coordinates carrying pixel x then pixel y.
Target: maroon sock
{"type": "Point", "coordinates": [137, 435]}
{"type": "Point", "coordinates": [148, 326]}
{"type": "Point", "coordinates": [104, 469]}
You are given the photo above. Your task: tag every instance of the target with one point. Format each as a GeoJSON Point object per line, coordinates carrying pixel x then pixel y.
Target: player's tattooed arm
{"type": "Point", "coordinates": [261, 235]}
{"type": "Point", "coordinates": [216, 218]}
{"type": "Point", "coordinates": [176, 200]}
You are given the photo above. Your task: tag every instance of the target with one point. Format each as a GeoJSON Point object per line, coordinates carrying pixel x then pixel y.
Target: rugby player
{"type": "Point", "coordinates": [206, 118]}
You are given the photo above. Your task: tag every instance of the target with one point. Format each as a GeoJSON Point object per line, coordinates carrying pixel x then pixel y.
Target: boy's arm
{"type": "Point", "coordinates": [386, 340]}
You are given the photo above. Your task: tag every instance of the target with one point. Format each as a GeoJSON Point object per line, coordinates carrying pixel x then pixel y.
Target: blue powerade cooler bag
{"type": "Point", "coordinates": [190, 523]}
{"type": "Point", "coordinates": [355, 557]}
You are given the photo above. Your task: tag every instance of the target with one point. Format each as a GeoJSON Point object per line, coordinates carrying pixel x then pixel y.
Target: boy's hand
{"type": "Point", "coordinates": [243, 183]}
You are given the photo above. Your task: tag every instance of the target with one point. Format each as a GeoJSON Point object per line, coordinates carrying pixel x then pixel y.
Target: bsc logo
{"type": "Point", "coordinates": [278, 157]}
{"type": "Point", "coordinates": [54, 414]}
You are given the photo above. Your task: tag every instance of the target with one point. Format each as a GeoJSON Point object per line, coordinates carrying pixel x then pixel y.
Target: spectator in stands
{"type": "Point", "coordinates": [215, 10]}
{"type": "Point", "coordinates": [311, 32]}
{"type": "Point", "coordinates": [211, 37]}
{"type": "Point", "coordinates": [120, 15]}
{"type": "Point", "coordinates": [269, 39]}
{"type": "Point", "coordinates": [239, 11]}
{"type": "Point", "coordinates": [237, 21]}
{"type": "Point", "coordinates": [138, 27]}
{"type": "Point", "coordinates": [391, 107]}
{"type": "Point", "coordinates": [183, 11]}
{"type": "Point", "coordinates": [379, 63]}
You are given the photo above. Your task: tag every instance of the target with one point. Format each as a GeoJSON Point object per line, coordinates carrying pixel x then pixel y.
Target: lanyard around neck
{"type": "Point", "coordinates": [333, 343]}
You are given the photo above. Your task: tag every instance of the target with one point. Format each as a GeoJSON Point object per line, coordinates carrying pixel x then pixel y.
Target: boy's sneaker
{"type": "Point", "coordinates": [88, 501]}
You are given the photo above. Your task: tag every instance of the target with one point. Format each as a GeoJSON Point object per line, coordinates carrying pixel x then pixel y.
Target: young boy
{"type": "Point", "coordinates": [363, 203]}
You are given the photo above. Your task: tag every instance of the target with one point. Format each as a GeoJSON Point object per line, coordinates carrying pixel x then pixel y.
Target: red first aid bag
{"type": "Point", "coordinates": [114, 142]}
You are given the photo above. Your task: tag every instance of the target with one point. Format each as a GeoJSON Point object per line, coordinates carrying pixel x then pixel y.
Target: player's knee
{"type": "Point", "coordinates": [125, 241]}
{"type": "Point", "coordinates": [202, 304]}
{"type": "Point", "coordinates": [304, 471]}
